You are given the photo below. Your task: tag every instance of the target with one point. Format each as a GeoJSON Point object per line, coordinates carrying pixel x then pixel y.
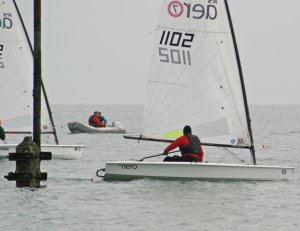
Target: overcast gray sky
{"type": "Point", "coordinates": [99, 52]}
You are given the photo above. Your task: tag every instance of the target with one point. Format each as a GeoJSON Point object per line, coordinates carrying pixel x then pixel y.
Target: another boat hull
{"type": "Point", "coordinates": [62, 152]}
{"type": "Point", "coordinates": [130, 170]}
{"type": "Point", "coordinates": [79, 127]}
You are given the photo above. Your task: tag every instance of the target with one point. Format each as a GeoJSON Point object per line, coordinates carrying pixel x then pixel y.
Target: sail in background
{"type": "Point", "coordinates": [194, 78]}
{"type": "Point", "coordinates": [16, 74]}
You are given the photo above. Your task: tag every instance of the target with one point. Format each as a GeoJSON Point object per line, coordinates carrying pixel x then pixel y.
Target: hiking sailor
{"type": "Point", "coordinates": [189, 145]}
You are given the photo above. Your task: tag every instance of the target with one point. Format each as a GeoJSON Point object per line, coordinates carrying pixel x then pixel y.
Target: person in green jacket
{"type": "Point", "coordinates": [2, 132]}
{"type": "Point", "coordinates": [101, 118]}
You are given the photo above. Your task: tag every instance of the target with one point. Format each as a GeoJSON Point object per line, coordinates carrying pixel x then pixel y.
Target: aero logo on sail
{"type": "Point", "coordinates": [6, 22]}
{"type": "Point", "coordinates": [196, 11]}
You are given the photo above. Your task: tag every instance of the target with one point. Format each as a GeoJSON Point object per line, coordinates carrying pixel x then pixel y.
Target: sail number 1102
{"type": "Point", "coordinates": [174, 47]}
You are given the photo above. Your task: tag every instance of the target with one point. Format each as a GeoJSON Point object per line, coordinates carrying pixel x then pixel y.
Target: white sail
{"type": "Point", "coordinates": [16, 74]}
{"type": "Point", "coordinates": [194, 78]}
{"type": "Point", "coordinates": [16, 87]}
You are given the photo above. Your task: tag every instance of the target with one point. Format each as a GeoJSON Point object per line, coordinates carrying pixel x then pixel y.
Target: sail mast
{"type": "Point", "coordinates": [42, 83]}
{"type": "Point", "coordinates": [252, 150]}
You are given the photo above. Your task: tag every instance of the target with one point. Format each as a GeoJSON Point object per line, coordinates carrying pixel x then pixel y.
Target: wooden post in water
{"type": "Point", "coordinates": [28, 153]}
{"type": "Point", "coordinates": [28, 158]}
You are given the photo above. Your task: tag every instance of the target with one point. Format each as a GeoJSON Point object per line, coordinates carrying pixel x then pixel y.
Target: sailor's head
{"type": "Point", "coordinates": [187, 130]}
{"type": "Point", "coordinates": [96, 112]}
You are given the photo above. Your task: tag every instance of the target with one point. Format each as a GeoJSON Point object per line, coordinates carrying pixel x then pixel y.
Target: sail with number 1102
{"type": "Point", "coordinates": [196, 79]}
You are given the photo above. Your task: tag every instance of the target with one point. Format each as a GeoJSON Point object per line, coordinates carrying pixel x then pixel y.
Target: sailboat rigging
{"type": "Point", "coordinates": [242, 83]}
{"type": "Point", "coordinates": [16, 84]}
{"type": "Point", "coordinates": [43, 87]}
{"type": "Point", "coordinates": [196, 79]}
{"type": "Point", "coordinates": [203, 144]}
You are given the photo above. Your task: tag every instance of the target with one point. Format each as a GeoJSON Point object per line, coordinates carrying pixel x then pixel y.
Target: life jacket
{"type": "Point", "coordinates": [193, 147]}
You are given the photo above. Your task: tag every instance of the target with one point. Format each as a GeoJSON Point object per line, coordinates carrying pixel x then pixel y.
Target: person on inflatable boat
{"type": "Point", "coordinates": [95, 121]}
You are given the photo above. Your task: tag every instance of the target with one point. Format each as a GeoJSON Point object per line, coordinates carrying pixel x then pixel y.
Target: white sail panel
{"type": "Point", "coordinates": [194, 78]}
{"type": "Point", "coordinates": [15, 71]}
{"type": "Point", "coordinates": [16, 74]}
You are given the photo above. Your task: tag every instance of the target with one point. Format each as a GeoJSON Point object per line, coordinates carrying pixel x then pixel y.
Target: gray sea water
{"type": "Point", "coordinates": [74, 199]}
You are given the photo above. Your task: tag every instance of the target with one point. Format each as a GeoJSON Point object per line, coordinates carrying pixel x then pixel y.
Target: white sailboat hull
{"type": "Point", "coordinates": [79, 127]}
{"type": "Point", "coordinates": [130, 170]}
{"type": "Point", "coordinates": [62, 152]}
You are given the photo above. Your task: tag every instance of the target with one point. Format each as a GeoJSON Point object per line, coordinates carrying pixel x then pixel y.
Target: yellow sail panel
{"type": "Point", "coordinates": [173, 134]}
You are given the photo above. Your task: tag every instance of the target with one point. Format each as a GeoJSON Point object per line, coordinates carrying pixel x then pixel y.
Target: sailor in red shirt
{"type": "Point", "coordinates": [189, 145]}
